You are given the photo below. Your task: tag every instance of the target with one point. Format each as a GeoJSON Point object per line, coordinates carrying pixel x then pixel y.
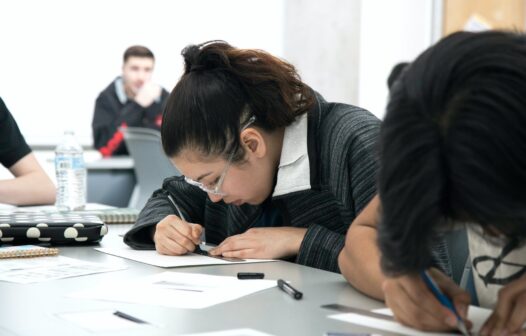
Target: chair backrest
{"type": "Point", "coordinates": [150, 163]}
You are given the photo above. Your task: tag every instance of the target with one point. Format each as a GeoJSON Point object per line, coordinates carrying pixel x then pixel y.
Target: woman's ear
{"type": "Point", "coordinates": [254, 141]}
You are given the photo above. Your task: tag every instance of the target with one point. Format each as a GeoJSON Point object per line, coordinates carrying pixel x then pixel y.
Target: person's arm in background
{"type": "Point", "coordinates": [30, 186]}
{"type": "Point", "coordinates": [359, 260]}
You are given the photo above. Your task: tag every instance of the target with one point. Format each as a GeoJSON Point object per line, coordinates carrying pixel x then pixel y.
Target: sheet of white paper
{"type": "Point", "coordinates": [232, 332]}
{"type": "Point", "coordinates": [4, 206]}
{"type": "Point", "coordinates": [38, 269]}
{"type": "Point", "coordinates": [477, 315]}
{"type": "Point", "coordinates": [100, 321]}
{"type": "Point", "coordinates": [156, 259]}
{"type": "Point", "coordinates": [179, 290]}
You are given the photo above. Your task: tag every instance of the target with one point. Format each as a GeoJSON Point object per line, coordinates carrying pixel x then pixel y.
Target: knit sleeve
{"type": "Point", "coordinates": [363, 160]}
{"type": "Point", "coordinates": [357, 138]}
{"type": "Point", "coordinates": [320, 248]}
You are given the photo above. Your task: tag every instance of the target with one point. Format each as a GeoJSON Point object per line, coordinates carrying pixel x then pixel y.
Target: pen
{"type": "Point", "coordinates": [284, 286]}
{"type": "Point", "coordinates": [127, 317]}
{"type": "Point", "coordinates": [176, 207]}
{"type": "Point", "coordinates": [444, 300]}
{"type": "Point", "coordinates": [198, 249]}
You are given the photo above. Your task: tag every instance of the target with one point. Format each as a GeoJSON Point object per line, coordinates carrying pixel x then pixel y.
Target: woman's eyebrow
{"type": "Point", "coordinates": [203, 176]}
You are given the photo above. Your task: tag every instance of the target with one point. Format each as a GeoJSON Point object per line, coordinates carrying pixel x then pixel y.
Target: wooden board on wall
{"type": "Point", "coordinates": [504, 14]}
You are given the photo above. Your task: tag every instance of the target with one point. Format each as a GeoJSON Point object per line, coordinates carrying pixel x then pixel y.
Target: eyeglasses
{"type": "Point", "coordinates": [216, 189]}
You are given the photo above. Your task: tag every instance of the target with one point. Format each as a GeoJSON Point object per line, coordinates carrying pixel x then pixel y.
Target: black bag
{"type": "Point", "coordinates": [54, 228]}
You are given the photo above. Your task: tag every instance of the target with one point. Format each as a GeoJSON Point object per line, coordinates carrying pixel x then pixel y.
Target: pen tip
{"type": "Point", "coordinates": [462, 328]}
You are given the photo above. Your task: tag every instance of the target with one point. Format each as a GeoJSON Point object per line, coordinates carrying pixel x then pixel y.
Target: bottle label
{"type": "Point", "coordinates": [64, 162]}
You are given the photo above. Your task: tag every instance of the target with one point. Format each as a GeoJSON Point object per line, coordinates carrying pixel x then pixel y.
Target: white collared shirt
{"type": "Point", "coordinates": [119, 90]}
{"type": "Point", "coordinates": [294, 166]}
{"type": "Point", "coordinates": [491, 269]}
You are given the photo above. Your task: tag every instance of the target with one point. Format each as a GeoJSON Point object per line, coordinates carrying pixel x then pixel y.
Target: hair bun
{"type": "Point", "coordinates": [206, 56]}
{"type": "Point", "coordinates": [191, 57]}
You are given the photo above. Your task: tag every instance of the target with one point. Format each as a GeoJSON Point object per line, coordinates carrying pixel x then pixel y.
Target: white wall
{"type": "Point", "coordinates": [391, 32]}
{"type": "Point", "coordinates": [345, 49]}
{"type": "Point", "coordinates": [322, 40]}
{"type": "Point", "coordinates": [57, 55]}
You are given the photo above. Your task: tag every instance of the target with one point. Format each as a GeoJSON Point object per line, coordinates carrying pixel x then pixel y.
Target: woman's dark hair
{"type": "Point", "coordinates": [221, 88]}
{"type": "Point", "coordinates": [453, 145]}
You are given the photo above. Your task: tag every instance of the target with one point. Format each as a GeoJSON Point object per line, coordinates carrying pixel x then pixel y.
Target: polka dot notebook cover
{"type": "Point", "coordinates": [59, 228]}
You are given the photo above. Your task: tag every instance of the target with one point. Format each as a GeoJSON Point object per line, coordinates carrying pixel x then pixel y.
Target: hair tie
{"type": "Point", "coordinates": [196, 67]}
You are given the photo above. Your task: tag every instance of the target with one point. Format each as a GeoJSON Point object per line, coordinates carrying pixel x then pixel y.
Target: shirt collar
{"type": "Point", "coordinates": [294, 166]}
{"type": "Point", "coordinates": [119, 90]}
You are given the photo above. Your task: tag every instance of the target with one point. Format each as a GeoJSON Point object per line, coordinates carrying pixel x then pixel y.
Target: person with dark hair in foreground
{"type": "Point", "coordinates": [132, 99]}
{"type": "Point", "coordinates": [271, 170]}
{"type": "Point", "coordinates": [395, 73]}
{"type": "Point", "coordinates": [453, 152]}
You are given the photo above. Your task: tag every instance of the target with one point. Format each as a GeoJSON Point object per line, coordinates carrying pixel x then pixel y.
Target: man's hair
{"type": "Point", "coordinates": [137, 51]}
{"type": "Point", "coordinates": [453, 145]}
{"type": "Point", "coordinates": [222, 87]}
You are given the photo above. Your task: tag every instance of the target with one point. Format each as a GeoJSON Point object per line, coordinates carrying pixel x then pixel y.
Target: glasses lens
{"type": "Point", "coordinates": [207, 189]}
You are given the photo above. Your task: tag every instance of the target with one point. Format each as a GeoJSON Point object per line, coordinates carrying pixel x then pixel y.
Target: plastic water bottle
{"type": "Point", "coordinates": [71, 174]}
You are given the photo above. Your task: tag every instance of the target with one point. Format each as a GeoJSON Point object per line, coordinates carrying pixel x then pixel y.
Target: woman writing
{"type": "Point", "coordinates": [271, 170]}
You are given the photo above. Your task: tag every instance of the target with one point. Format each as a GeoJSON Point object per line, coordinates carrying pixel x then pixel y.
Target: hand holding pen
{"type": "Point", "coordinates": [445, 301]}
{"type": "Point", "coordinates": [175, 236]}
{"type": "Point", "coordinates": [414, 304]}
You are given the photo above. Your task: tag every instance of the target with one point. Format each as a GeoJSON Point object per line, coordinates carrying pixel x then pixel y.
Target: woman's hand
{"type": "Point", "coordinates": [510, 312]}
{"type": "Point", "coordinates": [262, 243]}
{"type": "Point", "coordinates": [414, 305]}
{"type": "Point", "coordinates": [174, 236]}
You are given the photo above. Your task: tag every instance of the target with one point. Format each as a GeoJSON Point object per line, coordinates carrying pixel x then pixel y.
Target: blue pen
{"type": "Point", "coordinates": [444, 300]}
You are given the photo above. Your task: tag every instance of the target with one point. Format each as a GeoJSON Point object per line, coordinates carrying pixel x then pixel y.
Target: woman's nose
{"type": "Point", "coordinates": [214, 197]}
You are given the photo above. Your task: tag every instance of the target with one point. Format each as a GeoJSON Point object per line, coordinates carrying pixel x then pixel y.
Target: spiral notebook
{"type": "Point", "coordinates": [26, 251]}
{"type": "Point", "coordinates": [119, 216]}
{"type": "Point", "coordinates": [114, 216]}
{"type": "Point", "coordinates": [108, 214]}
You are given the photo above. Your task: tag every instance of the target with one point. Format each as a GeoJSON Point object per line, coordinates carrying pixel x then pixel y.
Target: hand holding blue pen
{"type": "Point", "coordinates": [444, 300]}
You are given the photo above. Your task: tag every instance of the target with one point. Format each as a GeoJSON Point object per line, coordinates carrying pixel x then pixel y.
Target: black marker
{"type": "Point", "coordinates": [284, 286]}
{"type": "Point", "coordinates": [128, 317]}
{"type": "Point", "coordinates": [250, 275]}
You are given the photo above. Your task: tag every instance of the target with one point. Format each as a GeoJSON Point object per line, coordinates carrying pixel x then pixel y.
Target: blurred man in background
{"type": "Point", "coordinates": [132, 99]}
